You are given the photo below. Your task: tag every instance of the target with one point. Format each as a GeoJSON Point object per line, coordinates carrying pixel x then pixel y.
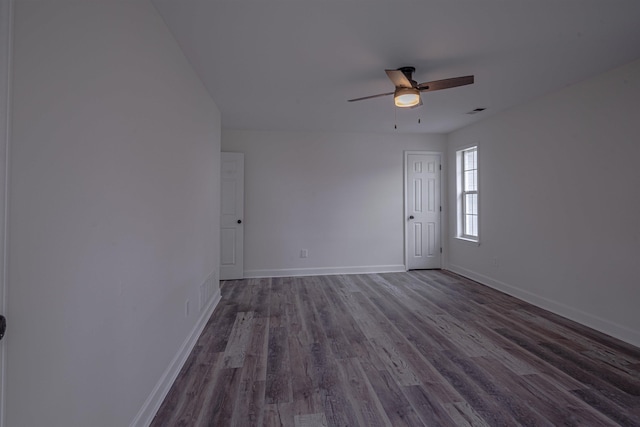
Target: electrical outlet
{"type": "Point", "coordinates": [304, 253]}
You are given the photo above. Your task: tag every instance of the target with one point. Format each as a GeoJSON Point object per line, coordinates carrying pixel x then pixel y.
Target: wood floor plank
{"type": "Point", "coordinates": [389, 352]}
{"type": "Point", "coordinates": [410, 316]}
{"type": "Point", "coordinates": [258, 348]}
{"type": "Point", "coordinates": [238, 340]}
{"type": "Point", "coordinates": [397, 408]}
{"type": "Point", "coordinates": [500, 349]}
{"type": "Point", "coordinates": [223, 320]}
{"type": "Point", "coordinates": [306, 397]}
{"type": "Point", "coordinates": [219, 398]}
{"type": "Point", "coordinates": [463, 415]}
{"type": "Point", "coordinates": [482, 403]}
{"type": "Point", "coordinates": [422, 348]}
{"type": "Point", "coordinates": [427, 405]}
{"type": "Point", "coordinates": [278, 415]}
{"type": "Point", "coordinates": [368, 408]}
{"type": "Point", "coordinates": [307, 310]}
{"type": "Point", "coordinates": [182, 404]}
{"type": "Point", "coordinates": [615, 412]}
{"type": "Point", "coordinates": [596, 393]}
{"type": "Point", "coordinates": [361, 347]}
{"type": "Point", "coordinates": [400, 356]}
{"type": "Point", "coordinates": [256, 299]}
{"type": "Point", "coordinates": [249, 405]}
{"type": "Point", "coordinates": [297, 323]}
{"type": "Point", "coordinates": [278, 302]}
{"type": "Point", "coordinates": [558, 377]}
{"type": "Point", "coordinates": [618, 362]}
{"type": "Point", "coordinates": [538, 410]}
{"type": "Point", "coordinates": [278, 381]}
{"type": "Point", "coordinates": [581, 368]}
{"type": "Point", "coordinates": [327, 314]}
{"type": "Point", "coordinates": [310, 420]}
{"type": "Point", "coordinates": [553, 399]}
{"type": "Point", "coordinates": [333, 394]}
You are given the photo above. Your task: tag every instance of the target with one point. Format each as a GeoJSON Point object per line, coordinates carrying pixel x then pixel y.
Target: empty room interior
{"type": "Point", "coordinates": [307, 213]}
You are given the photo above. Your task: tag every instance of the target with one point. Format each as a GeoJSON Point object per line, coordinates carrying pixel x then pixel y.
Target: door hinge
{"type": "Point", "coordinates": [440, 167]}
{"type": "Point", "coordinates": [440, 250]}
{"type": "Point", "coordinates": [440, 208]}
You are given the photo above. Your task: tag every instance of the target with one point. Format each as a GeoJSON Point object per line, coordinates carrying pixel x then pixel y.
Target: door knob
{"type": "Point", "coordinates": [239, 221]}
{"type": "Point", "coordinates": [411, 217]}
{"type": "Point", "coordinates": [3, 326]}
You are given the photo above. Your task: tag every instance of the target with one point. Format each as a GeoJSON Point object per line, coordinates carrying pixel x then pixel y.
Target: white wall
{"type": "Point", "coordinates": [560, 204]}
{"type": "Point", "coordinates": [114, 201]}
{"type": "Point", "coordinates": [339, 195]}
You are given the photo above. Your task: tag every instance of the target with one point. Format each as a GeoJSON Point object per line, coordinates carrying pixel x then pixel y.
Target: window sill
{"type": "Point", "coordinates": [465, 239]}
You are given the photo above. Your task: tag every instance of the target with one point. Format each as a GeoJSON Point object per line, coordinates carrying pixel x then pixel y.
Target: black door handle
{"type": "Point", "coordinates": [3, 325]}
{"type": "Point", "coordinates": [411, 217]}
{"type": "Point", "coordinates": [239, 221]}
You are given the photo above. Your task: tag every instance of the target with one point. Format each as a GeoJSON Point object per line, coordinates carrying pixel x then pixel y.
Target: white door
{"type": "Point", "coordinates": [422, 211]}
{"type": "Point", "coordinates": [232, 217]}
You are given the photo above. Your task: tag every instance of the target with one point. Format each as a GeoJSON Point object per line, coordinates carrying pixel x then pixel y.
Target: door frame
{"type": "Point", "coordinates": [6, 61]}
{"type": "Point", "coordinates": [405, 211]}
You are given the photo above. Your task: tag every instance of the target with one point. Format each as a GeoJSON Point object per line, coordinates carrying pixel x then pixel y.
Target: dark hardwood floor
{"type": "Point", "coordinates": [423, 348]}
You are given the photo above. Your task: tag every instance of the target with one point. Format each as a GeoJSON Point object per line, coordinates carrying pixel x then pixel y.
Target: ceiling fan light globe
{"type": "Point", "coordinates": [406, 97]}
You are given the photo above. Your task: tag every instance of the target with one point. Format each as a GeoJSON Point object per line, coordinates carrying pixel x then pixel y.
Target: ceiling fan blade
{"type": "Point", "coordinates": [371, 96]}
{"type": "Point", "coordinates": [445, 83]}
{"type": "Point", "coordinates": [398, 78]}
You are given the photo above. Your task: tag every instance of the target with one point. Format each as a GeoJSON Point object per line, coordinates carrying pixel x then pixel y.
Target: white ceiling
{"type": "Point", "coordinates": [292, 65]}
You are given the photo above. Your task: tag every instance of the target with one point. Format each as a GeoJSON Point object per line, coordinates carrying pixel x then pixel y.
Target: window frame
{"type": "Point", "coordinates": [463, 192]}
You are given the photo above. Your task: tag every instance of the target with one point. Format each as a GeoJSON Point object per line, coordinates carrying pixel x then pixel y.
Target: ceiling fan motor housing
{"type": "Point", "coordinates": [408, 72]}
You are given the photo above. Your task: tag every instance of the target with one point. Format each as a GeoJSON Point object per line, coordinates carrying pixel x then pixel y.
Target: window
{"type": "Point", "coordinates": [468, 193]}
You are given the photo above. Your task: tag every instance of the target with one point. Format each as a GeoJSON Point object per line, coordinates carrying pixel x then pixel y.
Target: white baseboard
{"type": "Point", "coordinates": [160, 391]}
{"type": "Point", "coordinates": [603, 325]}
{"type": "Point", "coordinates": [324, 271]}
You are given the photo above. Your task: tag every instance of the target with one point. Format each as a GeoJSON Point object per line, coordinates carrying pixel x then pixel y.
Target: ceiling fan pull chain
{"type": "Point", "coordinates": [395, 124]}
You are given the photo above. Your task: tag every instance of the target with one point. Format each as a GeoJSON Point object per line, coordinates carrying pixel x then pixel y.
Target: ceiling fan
{"type": "Point", "coordinates": [407, 92]}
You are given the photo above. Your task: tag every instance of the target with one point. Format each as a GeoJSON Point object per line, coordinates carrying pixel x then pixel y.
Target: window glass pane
{"type": "Point", "coordinates": [471, 204]}
{"type": "Point", "coordinates": [474, 226]}
{"type": "Point", "coordinates": [468, 220]}
{"type": "Point", "coordinates": [470, 159]}
{"type": "Point", "coordinates": [471, 225]}
{"type": "Point", "coordinates": [470, 181]}
{"type": "Point", "coordinates": [467, 160]}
